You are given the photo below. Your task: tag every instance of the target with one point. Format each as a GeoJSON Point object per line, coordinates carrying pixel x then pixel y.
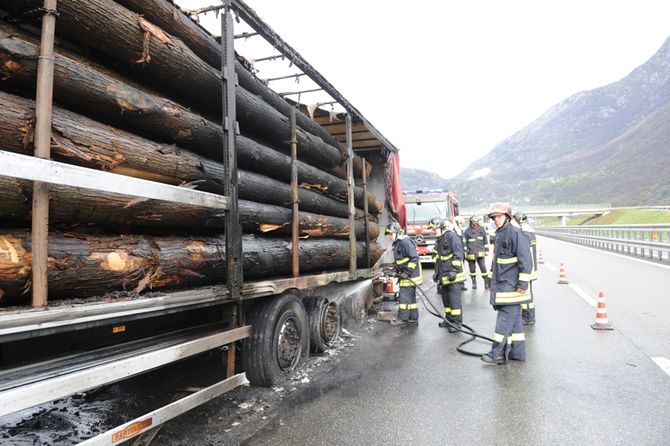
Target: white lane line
{"type": "Point", "coordinates": [589, 300]}
{"type": "Point", "coordinates": [663, 363]}
{"type": "Point", "coordinates": [550, 267]}
{"type": "Point", "coordinates": [660, 265]}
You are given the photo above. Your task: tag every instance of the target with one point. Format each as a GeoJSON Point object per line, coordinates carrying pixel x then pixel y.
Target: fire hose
{"type": "Point", "coordinates": [463, 328]}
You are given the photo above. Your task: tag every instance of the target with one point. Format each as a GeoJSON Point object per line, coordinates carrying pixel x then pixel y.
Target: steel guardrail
{"type": "Point", "coordinates": [646, 240]}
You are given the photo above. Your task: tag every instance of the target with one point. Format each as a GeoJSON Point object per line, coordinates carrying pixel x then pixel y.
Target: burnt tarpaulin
{"type": "Point", "coordinates": [395, 201]}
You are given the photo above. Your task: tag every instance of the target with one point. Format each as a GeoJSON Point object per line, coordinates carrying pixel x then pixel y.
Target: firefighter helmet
{"type": "Point", "coordinates": [393, 228]}
{"type": "Point", "coordinates": [435, 223]}
{"type": "Point", "coordinates": [500, 208]}
{"type": "Point", "coordinates": [521, 217]}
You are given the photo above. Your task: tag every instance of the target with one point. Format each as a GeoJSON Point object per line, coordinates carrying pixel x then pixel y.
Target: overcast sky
{"type": "Point", "coordinates": [445, 81]}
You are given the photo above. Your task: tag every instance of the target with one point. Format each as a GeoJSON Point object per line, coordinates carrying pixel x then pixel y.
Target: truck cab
{"type": "Point", "coordinates": [421, 206]}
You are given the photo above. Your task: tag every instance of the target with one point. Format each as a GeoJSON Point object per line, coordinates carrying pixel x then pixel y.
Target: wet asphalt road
{"type": "Point", "coordinates": [579, 386]}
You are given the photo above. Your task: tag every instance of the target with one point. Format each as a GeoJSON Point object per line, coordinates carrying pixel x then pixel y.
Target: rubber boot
{"type": "Point", "coordinates": [487, 283]}
{"type": "Point", "coordinates": [474, 283]}
{"type": "Point", "coordinates": [463, 287]}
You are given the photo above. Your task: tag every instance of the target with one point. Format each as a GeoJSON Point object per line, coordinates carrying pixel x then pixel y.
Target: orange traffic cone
{"type": "Point", "coordinates": [540, 258]}
{"type": "Point", "coordinates": [562, 278]}
{"type": "Point", "coordinates": [602, 323]}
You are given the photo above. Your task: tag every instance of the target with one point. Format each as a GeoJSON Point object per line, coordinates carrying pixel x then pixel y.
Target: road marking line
{"type": "Point", "coordinates": [663, 363]}
{"type": "Point", "coordinates": [611, 253]}
{"type": "Point", "coordinates": [589, 300]}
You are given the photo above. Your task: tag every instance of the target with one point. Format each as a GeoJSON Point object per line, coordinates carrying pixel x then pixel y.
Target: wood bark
{"type": "Point", "coordinates": [170, 18]}
{"type": "Point", "coordinates": [82, 141]}
{"type": "Point", "coordinates": [69, 207]}
{"type": "Point", "coordinates": [101, 94]}
{"type": "Point", "coordinates": [164, 62]}
{"type": "Point", "coordinates": [82, 265]}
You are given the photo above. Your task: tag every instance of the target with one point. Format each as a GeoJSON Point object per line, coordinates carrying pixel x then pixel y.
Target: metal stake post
{"type": "Point", "coordinates": [295, 222]}
{"type": "Point", "coordinates": [364, 175]}
{"type": "Point", "coordinates": [234, 259]}
{"type": "Point", "coordinates": [43, 107]}
{"type": "Point", "coordinates": [350, 196]}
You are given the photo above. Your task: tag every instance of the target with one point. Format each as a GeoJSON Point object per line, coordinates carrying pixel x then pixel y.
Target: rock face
{"type": "Point", "coordinates": [608, 144]}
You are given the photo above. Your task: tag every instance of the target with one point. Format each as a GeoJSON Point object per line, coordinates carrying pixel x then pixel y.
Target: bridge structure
{"type": "Point", "coordinates": [562, 211]}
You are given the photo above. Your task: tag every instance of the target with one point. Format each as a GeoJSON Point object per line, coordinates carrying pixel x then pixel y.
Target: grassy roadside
{"type": "Point", "coordinates": [616, 217]}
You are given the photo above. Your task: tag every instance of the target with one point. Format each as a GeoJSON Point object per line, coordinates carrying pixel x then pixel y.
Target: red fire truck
{"type": "Point", "coordinates": [421, 206]}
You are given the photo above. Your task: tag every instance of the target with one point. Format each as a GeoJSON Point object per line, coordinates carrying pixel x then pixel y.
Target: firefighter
{"type": "Point", "coordinates": [511, 273]}
{"type": "Point", "coordinates": [449, 275]}
{"type": "Point", "coordinates": [476, 249]}
{"type": "Point", "coordinates": [458, 227]}
{"type": "Point", "coordinates": [408, 268]}
{"type": "Point", "coordinates": [528, 310]}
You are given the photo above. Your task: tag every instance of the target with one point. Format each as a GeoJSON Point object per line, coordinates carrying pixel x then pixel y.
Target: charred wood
{"type": "Point", "coordinates": [103, 95]}
{"type": "Point", "coordinates": [164, 62]}
{"type": "Point", "coordinates": [82, 265]}
{"type": "Point", "coordinates": [169, 17]}
{"type": "Point", "coordinates": [82, 141]}
{"type": "Point", "coordinates": [69, 207]}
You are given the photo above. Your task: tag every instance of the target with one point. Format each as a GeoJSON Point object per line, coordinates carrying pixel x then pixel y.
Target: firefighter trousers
{"type": "Point", "coordinates": [509, 339]}
{"type": "Point", "coordinates": [472, 265]}
{"type": "Point", "coordinates": [528, 310]}
{"type": "Point", "coordinates": [451, 298]}
{"type": "Point", "coordinates": [408, 309]}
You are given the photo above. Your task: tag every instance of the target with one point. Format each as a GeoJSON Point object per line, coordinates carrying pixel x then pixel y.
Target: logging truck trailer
{"type": "Point", "coordinates": [420, 207]}
{"type": "Point", "coordinates": [91, 323]}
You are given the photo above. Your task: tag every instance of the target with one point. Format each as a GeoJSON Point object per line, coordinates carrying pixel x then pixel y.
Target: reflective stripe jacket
{"type": "Point", "coordinates": [528, 232]}
{"type": "Point", "coordinates": [476, 242]}
{"type": "Point", "coordinates": [448, 255]}
{"type": "Point", "coordinates": [511, 268]}
{"type": "Point", "coordinates": [406, 259]}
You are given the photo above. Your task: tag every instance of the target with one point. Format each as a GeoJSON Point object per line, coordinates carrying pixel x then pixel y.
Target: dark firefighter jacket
{"type": "Point", "coordinates": [511, 268]}
{"type": "Point", "coordinates": [476, 242]}
{"type": "Point", "coordinates": [448, 256]}
{"type": "Point", "coordinates": [406, 259]}
{"type": "Point", "coordinates": [533, 248]}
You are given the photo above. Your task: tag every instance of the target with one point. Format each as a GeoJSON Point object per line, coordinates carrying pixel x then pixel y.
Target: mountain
{"type": "Point", "coordinates": [610, 144]}
{"type": "Point", "coordinates": [418, 179]}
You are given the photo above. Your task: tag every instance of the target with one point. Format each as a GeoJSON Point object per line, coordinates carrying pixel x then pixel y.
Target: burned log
{"type": "Point", "coordinates": [168, 16]}
{"type": "Point", "coordinates": [101, 94]}
{"type": "Point", "coordinates": [165, 62]}
{"type": "Point", "coordinates": [82, 265]}
{"type": "Point", "coordinates": [69, 207]}
{"type": "Point", "coordinates": [82, 141]}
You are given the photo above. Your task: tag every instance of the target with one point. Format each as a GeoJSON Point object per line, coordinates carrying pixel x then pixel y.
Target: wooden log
{"type": "Point", "coordinates": [170, 18]}
{"type": "Point", "coordinates": [70, 207]}
{"type": "Point", "coordinates": [83, 265]}
{"type": "Point", "coordinates": [165, 63]}
{"type": "Point", "coordinates": [103, 95]}
{"type": "Point", "coordinates": [82, 141]}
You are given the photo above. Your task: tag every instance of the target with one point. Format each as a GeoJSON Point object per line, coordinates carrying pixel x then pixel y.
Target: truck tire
{"type": "Point", "coordinates": [324, 323]}
{"type": "Point", "coordinates": [279, 339]}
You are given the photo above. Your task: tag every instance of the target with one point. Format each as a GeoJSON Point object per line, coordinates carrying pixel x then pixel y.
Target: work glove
{"type": "Point", "coordinates": [451, 275]}
{"type": "Point", "coordinates": [404, 274]}
{"type": "Point", "coordinates": [436, 276]}
{"type": "Point", "coordinates": [496, 307]}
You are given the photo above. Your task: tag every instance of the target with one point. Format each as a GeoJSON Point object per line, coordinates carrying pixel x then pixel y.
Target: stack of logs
{"type": "Point", "coordinates": [137, 91]}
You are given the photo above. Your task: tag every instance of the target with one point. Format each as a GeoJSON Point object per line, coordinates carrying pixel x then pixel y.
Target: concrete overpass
{"type": "Point", "coordinates": [562, 211]}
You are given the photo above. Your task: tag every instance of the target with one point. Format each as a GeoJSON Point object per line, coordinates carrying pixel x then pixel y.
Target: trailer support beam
{"type": "Point", "coordinates": [44, 102]}
{"type": "Point", "coordinates": [350, 196]}
{"type": "Point", "coordinates": [234, 276]}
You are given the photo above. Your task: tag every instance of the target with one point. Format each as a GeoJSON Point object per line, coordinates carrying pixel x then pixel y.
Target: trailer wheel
{"type": "Point", "coordinates": [324, 322]}
{"type": "Point", "coordinates": [279, 339]}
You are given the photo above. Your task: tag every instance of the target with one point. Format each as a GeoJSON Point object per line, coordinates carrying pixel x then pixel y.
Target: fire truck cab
{"type": "Point", "coordinates": [421, 206]}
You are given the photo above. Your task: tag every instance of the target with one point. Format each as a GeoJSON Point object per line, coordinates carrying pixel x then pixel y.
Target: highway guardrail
{"type": "Point", "coordinates": [650, 241]}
